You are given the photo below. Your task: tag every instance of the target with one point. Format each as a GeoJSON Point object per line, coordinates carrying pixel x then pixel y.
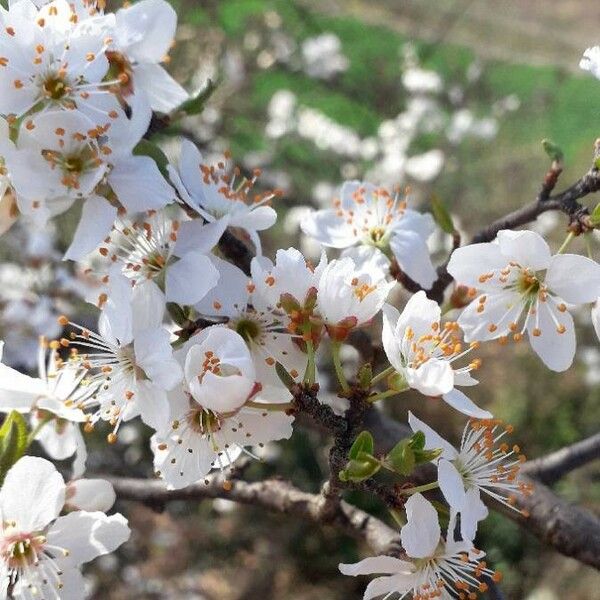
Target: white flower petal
{"type": "Point", "coordinates": [90, 495]}
{"type": "Point", "coordinates": [468, 263]}
{"type": "Point", "coordinates": [421, 534]}
{"type": "Point", "coordinates": [456, 399]}
{"type": "Point", "coordinates": [527, 248]}
{"type": "Point", "coordinates": [412, 254]}
{"type": "Point", "coordinates": [163, 92]}
{"type": "Point", "coordinates": [190, 278]}
{"type": "Point", "coordinates": [97, 218]}
{"type": "Point", "coordinates": [148, 307]}
{"type": "Point", "coordinates": [472, 511]}
{"type": "Point", "coordinates": [33, 493]}
{"type": "Point", "coordinates": [138, 184]}
{"type": "Point", "coordinates": [376, 565]}
{"type": "Point", "coordinates": [556, 350]}
{"type": "Point", "coordinates": [576, 279]}
{"type": "Point", "coordinates": [433, 378]}
{"type": "Point", "coordinates": [146, 29]}
{"type": "Point", "coordinates": [327, 227]}
{"type": "Point", "coordinates": [451, 484]}
{"type": "Point", "coordinates": [87, 535]}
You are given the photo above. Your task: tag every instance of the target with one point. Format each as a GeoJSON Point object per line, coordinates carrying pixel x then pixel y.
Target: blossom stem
{"type": "Point", "coordinates": [337, 364]}
{"type": "Point", "coordinates": [309, 375]}
{"type": "Point", "coordinates": [280, 406]}
{"type": "Point", "coordinates": [382, 375]}
{"type": "Point", "coordinates": [566, 243]}
{"type": "Point", "coordinates": [421, 488]}
{"type": "Point", "coordinates": [588, 247]}
{"type": "Point", "coordinates": [382, 395]}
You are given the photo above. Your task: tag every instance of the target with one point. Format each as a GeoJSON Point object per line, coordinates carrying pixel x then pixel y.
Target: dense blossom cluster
{"type": "Point", "coordinates": [207, 355]}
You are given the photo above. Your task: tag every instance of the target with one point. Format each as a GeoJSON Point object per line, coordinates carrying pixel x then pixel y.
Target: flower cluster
{"type": "Point", "coordinates": [212, 351]}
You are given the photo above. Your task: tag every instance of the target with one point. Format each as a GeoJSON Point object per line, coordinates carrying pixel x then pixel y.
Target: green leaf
{"type": "Point", "coordinates": [148, 148]}
{"type": "Point", "coordinates": [442, 216]}
{"type": "Point", "coordinates": [553, 150]}
{"type": "Point", "coordinates": [284, 376]}
{"type": "Point", "coordinates": [363, 443]}
{"type": "Point", "coordinates": [425, 456]}
{"type": "Point", "coordinates": [364, 467]}
{"type": "Point", "coordinates": [595, 216]}
{"type": "Point", "coordinates": [13, 442]}
{"type": "Point", "coordinates": [417, 441]}
{"type": "Point", "coordinates": [402, 458]}
{"type": "Point", "coordinates": [365, 375]}
{"type": "Point", "coordinates": [195, 105]}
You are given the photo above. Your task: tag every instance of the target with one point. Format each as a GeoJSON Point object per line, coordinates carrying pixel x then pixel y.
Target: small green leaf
{"type": "Point", "coordinates": [360, 469]}
{"type": "Point", "coordinates": [363, 443]}
{"type": "Point", "coordinates": [177, 313]}
{"type": "Point", "coordinates": [553, 150]}
{"type": "Point", "coordinates": [13, 442]}
{"type": "Point", "coordinates": [284, 376]}
{"type": "Point", "coordinates": [595, 216]}
{"type": "Point", "coordinates": [442, 216]}
{"type": "Point", "coordinates": [402, 457]}
{"type": "Point", "coordinates": [365, 375]}
{"type": "Point", "coordinates": [195, 105]}
{"type": "Point", "coordinates": [148, 148]}
{"type": "Point", "coordinates": [417, 441]}
{"type": "Point", "coordinates": [425, 456]}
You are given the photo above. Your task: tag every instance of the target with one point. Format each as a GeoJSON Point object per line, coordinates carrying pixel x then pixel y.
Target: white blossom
{"type": "Point", "coordinates": [70, 156]}
{"type": "Point", "coordinates": [215, 194]}
{"type": "Point", "coordinates": [423, 352]}
{"type": "Point", "coordinates": [484, 464]}
{"type": "Point", "coordinates": [521, 287]}
{"type": "Point", "coordinates": [170, 253]}
{"type": "Point", "coordinates": [40, 551]}
{"type": "Point", "coordinates": [52, 60]}
{"type": "Point", "coordinates": [213, 416]}
{"type": "Point", "coordinates": [350, 295]}
{"type": "Point", "coordinates": [380, 220]}
{"type": "Point", "coordinates": [436, 567]}
{"type": "Point", "coordinates": [131, 358]}
{"type": "Point", "coordinates": [53, 402]}
{"type": "Point", "coordinates": [261, 325]}
{"type": "Point", "coordinates": [291, 274]}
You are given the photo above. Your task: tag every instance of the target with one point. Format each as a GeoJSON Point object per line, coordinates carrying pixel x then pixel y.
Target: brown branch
{"type": "Point", "coordinates": [570, 529]}
{"type": "Point", "coordinates": [550, 468]}
{"type": "Point", "coordinates": [272, 494]}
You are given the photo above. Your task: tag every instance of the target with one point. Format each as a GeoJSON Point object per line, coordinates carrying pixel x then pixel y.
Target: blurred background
{"type": "Point", "coordinates": [448, 98]}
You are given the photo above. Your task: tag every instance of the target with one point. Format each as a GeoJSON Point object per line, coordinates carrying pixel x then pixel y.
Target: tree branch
{"type": "Point", "coordinates": [272, 494]}
{"type": "Point", "coordinates": [550, 468]}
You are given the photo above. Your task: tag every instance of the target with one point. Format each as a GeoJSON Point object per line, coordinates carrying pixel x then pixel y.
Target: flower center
{"type": "Point", "coordinates": [250, 330]}
{"type": "Point", "coordinates": [55, 87]}
{"type": "Point", "coordinates": [377, 235]}
{"type": "Point", "coordinates": [203, 421]}
{"type": "Point", "coordinates": [74, 164]}
{"type": "Point", "coordinates": [361, 290]}
{"type": "Point", "coordinates": [528, 284]}
{"type": "Point", "coordinates": [22, 549]}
